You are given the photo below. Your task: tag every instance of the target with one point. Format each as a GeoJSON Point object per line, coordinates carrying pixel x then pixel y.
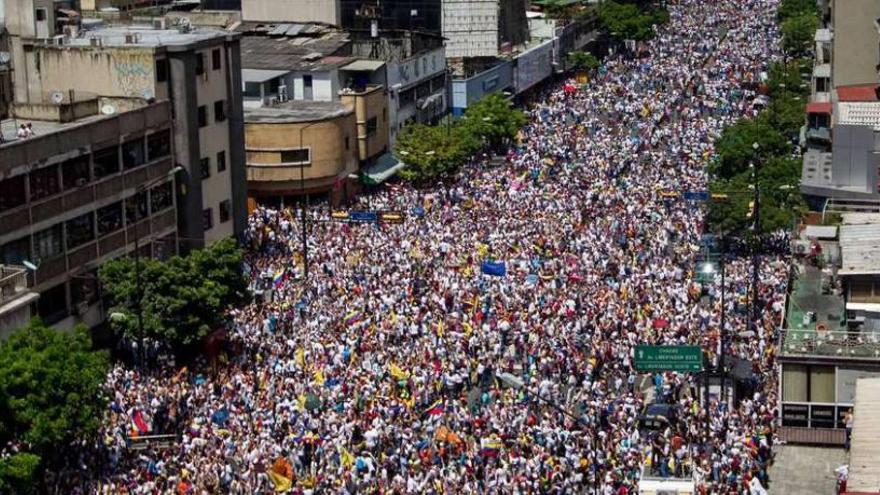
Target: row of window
{"type": "Point", "coordinates": [77, 172]}
{"type": "Point", "coordinates": [219, 113]}
{"type": "Point", "coordinates": [162, 69]}
{"type": "Point", "coordinates": [70, 234]}
{"type": "Point", "coordinates": [206, 164]}
{"type": "Point", "coordinates": [208, 215]}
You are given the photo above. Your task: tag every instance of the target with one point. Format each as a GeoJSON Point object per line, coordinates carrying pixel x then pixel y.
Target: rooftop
{"type": "Point", "coordinates": [860, 244]}
{"type": "Point", "coordinates": [865, 113]}
{"type": "Point", "coordinates": [145, 36]}
{"type": "Point", "coordinates": [293, 46]}
{"type": "Point", "coordinates": [296, 111]}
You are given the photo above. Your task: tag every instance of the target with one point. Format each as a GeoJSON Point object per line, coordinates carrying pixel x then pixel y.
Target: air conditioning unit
{"type": "Point", "coordinates": [96, 41]}
{"type": "Point", "coordinates": [282, 93]}
{"type": "Point", "coordinates": [58, 40]}
{"type": "Point", "coordinates": [159, 24]}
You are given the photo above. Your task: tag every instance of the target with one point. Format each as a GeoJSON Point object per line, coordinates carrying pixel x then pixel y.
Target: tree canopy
{"type": "Point", "coordinates": [183, 299]}
{"type": "Point", "coordinates": [431, 152]}
{"type": "Point", "coordinates": [583, 60]}
{"type": "Point", "coordinates": [50, 396]}
{"type": "Point", "coordinates": [798, 32]}
{"type": "Point", "coordinates": [627, 21]}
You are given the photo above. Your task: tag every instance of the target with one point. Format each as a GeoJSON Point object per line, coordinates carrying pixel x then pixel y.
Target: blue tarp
{"type": "Point", "coordinates": [494, 269]}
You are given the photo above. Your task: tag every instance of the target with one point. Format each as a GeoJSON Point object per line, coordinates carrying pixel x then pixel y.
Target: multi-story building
{"type": "Point", "coordinates": [88, 187]}
{"type": "Point", "coordinates": [483, 28]}
{"type": "Point", "coordinates": [300, 148]}
{"type": "Point", "coordinates": [197, 70]}
{"type": "Point", "coordinates": [324, 11]}
{"type": "Point", "coordinates": [408, 15]}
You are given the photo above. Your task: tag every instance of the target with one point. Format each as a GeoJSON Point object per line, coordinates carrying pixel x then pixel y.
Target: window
{"type": "Point", "coordinates": [136, 207]}
{"type": "Point", "coordinates": [372, 126]}
{"type": "Point", "coordinates": [161, 197]}
{"type": "Point", "coordinates": [225, 211]}
{"type": "Point", "coordinates": [75, 172]}
{"type": "Point", "coordinates": [295, 156]}
{"type": "Point", "coordinates": [47, 243]}
{"type": "Point", "coordinates": [133, 153]}
{"type": "Point", "coordinates": [215, 59]}
{"type": "Point", "coordinates": [384, 115]}
{"type": "Point", "coordinates": [14, 252]}
{"type": "Point", "coordinates": [346, 142]}
{"type": "Point", "coordinates": [110, 218]}
{"type": "Point", "coordinates": [44, 182]}
{"type": "Point", "coordinates": [252, 89]}
{"type": "Point", "coordinates": [219, 111]}
{"type": "Point", "coordinates": [52, 304]}
{"type": "Point", "coordinates": [221, 161]}
{"type": "Point", "coordinates": [203, 116]}
{"type": "Point", "coordinates": [159, 144]}
{"type": "Point", "coordinates": [41, 15]}
{"type": "Point", "coordinates": [207, 218]}
{"type": "Point", "coordinates": [12, 193]}
{"type": "Point", "coordinates": [206, 167]}
{"type": "Point", "coordinates": [106, 161]}
{"type": "Point", "coordinates": [200, 64]}
{"type": "Point", "coordinates": [84, 289]}
{"type": "Point", "coordinates": [80, 230]}
{"type": "Point", "coordinates": [161, 70]}
{"type": "Point", "coordinates": [307, 81]}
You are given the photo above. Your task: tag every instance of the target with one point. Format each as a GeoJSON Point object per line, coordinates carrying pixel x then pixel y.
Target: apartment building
{"type": "Point", "coordinates": [196, 69]}
{"type": "Point", "coordinates": [89, 186]}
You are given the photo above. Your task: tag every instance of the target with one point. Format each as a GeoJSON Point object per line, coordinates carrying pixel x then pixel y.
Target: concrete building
{"type": "Point", "coordinates": [856, 52]}
{"type": "Point", "coordinates": [409, 15]}
{"type": "Point", "coordinates": [86, 188]}
{"type": "Point", "coordinates": [17, 301]}
{"type": "Point", "coordinates": [325, 11]}
{"type": "Point", "coordinates": [197, 70]}
{"type": "Point", "coordinates": [483, 28]}
{"type": "Point", "coordinates": [301, 148]}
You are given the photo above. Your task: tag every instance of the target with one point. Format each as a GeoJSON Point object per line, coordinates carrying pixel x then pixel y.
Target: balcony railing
{"type": "Point", "coordinates": [831, 344]}
{"type": "Point", "coordinates": [13, 281]}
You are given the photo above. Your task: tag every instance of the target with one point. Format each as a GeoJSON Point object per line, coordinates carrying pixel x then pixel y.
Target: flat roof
{"type": "Point", "coordinates": [261, 75]}
{"type": "Point", "coordinates": [293, 46]}
{"type": "Point", "coordinates": [364, 65]}
{"type": "Point", "coordinates": [860, 247]}
{"type": "Point", "coordinates": [10, 127]}
{"type": "Point", "coordinates": [147, 36]}
{"type": "Point", "coordinates": [864, 454]}
{"type": "Point", "coordinates": [296, 111]}
{"type": "Point", "coordinates": [865, 113]}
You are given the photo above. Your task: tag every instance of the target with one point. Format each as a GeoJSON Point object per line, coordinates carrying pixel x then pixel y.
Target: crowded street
{"type": "Point", "coordinates": [378, 372]}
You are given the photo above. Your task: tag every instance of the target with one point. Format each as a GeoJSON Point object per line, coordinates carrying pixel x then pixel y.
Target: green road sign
{"type": "Point", "coordinates": [669, 358]}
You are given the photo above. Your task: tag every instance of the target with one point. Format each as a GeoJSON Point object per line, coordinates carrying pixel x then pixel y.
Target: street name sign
{"type": "Point", "coordinates": [669, 358]}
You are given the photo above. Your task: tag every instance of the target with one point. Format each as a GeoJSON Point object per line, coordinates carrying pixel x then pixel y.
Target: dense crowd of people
{"type": "Point", "coordinates": [399, 366]}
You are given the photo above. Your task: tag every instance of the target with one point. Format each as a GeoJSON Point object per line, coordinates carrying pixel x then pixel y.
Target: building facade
{"type": "Point", "coordinates": [301, 148]}
{"type": "Point", "coordinates": [85, 189]}
{"type": "Point", "coordinates": [198, 70]}
{"type": "Point", "coordinates": [325, 11]}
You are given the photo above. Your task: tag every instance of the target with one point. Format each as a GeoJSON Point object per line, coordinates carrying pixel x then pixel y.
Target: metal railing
{"type": "Point", "coordinates": [13, 281]}
{"type": "Point", "coordinates": [832, 344]}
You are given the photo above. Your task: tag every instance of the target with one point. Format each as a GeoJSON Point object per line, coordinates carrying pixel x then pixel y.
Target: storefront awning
{"type": "Point", "coordinates": [819, 107]}
{"type": "Point", "coordinates": [382, 170]}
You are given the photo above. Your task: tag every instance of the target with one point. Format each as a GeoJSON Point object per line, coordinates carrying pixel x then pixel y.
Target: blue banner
{"type": "Point", "coordinates": [363, 216]}
{"type": "Point", "coordinates": [494, 269]}
{"type": "Point", "coordinates": [696, 196]}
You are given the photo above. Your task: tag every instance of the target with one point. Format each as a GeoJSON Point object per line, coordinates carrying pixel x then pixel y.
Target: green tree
{"type": "Point", "coordinates": [583, 61]}
{"type": "Point", "coordinates": [798, 33]}
{"type": "Point", "coordinates": [50, 396]}
{"type": "Point", "coordinates": [183, 299]}
{"type": "Point", "coordinates": [494, 119]}
{"type": "Point", "coordinates": [734, 149]}
{"type": "Point", "coordinates": [626, 21]}
{"type": "Point", "coordinates": [792, 8]}
{"type": "Point", "coordinates": [431, 152]}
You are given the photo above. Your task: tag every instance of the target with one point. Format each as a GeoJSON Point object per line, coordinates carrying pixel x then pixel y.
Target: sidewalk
{"type": "Point", "coordinates": [805, 470]}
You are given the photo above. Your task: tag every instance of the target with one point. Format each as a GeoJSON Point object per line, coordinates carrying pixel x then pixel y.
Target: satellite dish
{"type": "Point", "coordinates": [108, 109]}
{"type": "Point", "coordinates": [147, 94]}
{"type": "Point", "coordinates": [4, 57]}
{"type": "Point", "coordinates": [57, 97]}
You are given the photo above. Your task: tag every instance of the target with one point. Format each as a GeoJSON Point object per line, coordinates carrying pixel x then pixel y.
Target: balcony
{"type": "Point", "coordinates": [13, 282]}
{"type": "Point", "coordinates": [836, 345]}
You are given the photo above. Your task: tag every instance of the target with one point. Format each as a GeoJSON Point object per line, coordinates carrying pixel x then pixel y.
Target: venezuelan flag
{"type": "Point", "coordinates": [437, 408]}
{"type": "Point", "coordinates": [353, 318]}
{"type": "Point", "coordinates": [278, 279]}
